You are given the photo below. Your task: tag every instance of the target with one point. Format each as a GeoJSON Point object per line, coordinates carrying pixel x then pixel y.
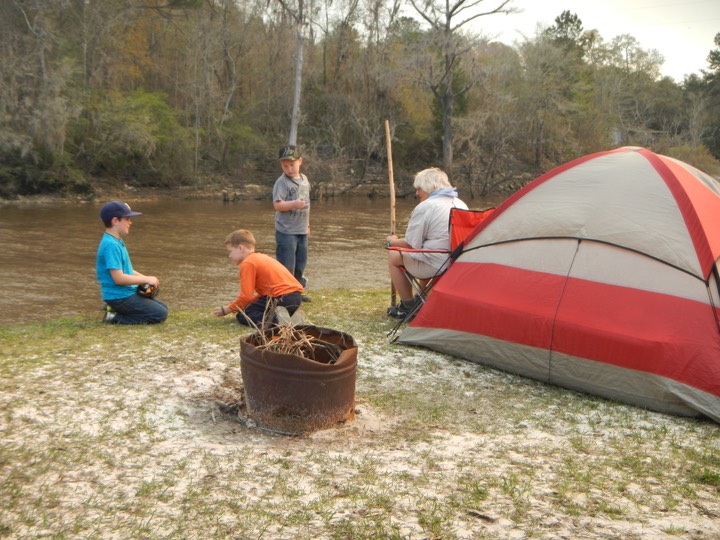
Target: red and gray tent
{"type": "Point", "coordinates": [600, 276]}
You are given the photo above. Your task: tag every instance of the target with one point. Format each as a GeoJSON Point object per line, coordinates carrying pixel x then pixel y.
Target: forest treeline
{"type": "Point", "coordinates": [170, 93]}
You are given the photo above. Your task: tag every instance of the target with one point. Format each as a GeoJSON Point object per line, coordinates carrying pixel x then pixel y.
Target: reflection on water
{"type": "Point", "coordinates": [48, 252]}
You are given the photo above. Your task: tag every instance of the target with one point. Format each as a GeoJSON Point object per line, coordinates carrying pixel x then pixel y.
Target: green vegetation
{"type": "Point", "coordinates": [99, 95]}
{"type": "Point", "coordinates": [125, 432]}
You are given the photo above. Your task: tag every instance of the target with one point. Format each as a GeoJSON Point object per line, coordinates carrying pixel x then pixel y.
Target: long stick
{"type": "Point", "coordinates": [393, 293]}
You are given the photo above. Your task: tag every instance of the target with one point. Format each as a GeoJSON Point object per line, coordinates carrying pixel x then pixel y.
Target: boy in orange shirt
{"type": "Point", "coordinates": [262, 279]}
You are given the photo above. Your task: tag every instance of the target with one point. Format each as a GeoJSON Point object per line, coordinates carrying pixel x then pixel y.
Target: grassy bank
{"type": "Point", "coordinates": [125, 432]}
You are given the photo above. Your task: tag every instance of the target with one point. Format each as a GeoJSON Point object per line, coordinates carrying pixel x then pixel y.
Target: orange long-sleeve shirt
{"type": "Point", "coordinates": [261, 275]}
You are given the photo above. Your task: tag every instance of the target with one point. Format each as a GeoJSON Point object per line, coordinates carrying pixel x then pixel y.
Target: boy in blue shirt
{"type": "Point", "coordinates": [118, 280]}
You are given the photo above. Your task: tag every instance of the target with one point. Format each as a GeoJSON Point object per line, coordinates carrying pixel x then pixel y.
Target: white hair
{"type": "Point", "coordinates": [432, 179]}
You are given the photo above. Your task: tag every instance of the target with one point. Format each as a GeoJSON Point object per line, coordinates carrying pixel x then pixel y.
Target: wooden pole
{"type": "Point", "coordinates": [388, 143]}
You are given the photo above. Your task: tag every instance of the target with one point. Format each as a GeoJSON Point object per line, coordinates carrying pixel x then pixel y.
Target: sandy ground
{"type": "Point", "coordinates": [153, 442]}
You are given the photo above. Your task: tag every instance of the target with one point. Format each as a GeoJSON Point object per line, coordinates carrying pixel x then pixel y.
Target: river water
{"type": "Point", "coordinates": [48, 251]}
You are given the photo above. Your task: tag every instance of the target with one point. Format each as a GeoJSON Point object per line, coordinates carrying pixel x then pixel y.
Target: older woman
{"type": "Point", "coordinates": [427, 229]}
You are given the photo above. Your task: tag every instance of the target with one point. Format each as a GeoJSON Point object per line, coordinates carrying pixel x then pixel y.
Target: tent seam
{"type": "Point", "coordinates": [557, 309]}
{"type": "Point", "coordinates": [625, 248]}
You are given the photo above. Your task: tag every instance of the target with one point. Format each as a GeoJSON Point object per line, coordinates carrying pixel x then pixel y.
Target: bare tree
{"type": "Point", "coordinates": [697, 119]}
{"type": "Point", "coordinates": [297, 12]}
{"type": "Point", "coordinates": [446, 19]}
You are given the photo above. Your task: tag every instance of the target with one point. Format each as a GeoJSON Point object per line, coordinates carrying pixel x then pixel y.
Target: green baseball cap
{"type": "Point", "coordinates": [289, 152]}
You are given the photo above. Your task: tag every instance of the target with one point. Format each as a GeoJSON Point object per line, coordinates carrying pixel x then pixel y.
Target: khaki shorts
{"type": "Point", "coordinates": [419, 269]}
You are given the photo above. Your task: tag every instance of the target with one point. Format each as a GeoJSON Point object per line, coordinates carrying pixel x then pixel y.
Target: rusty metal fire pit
{"type": "Point", "coordinates": [292, 394]}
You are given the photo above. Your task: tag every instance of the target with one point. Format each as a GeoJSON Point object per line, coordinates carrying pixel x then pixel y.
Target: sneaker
{"type": "Point", "coordinates": [398, 312]}
{"type": "Point", "coordinates": [109, 314]}
{"type": "Point", "coordinates": [402, 310]}
{"type": "Point", "coordinates": [299, 317]}
{"type": "Point", "coordinates": [284, 318]}
{"type": "Point", "coordinates": [304, 282]}
{"type": "Point", "coordinates": [282, 315]}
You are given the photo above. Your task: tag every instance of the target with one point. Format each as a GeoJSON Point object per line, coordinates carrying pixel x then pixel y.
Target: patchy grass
{"type": "Point", "coordinates": [124, 432]}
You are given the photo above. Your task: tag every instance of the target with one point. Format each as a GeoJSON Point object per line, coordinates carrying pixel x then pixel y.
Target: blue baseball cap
{"type": "Point", "coordinates": [116, 209]}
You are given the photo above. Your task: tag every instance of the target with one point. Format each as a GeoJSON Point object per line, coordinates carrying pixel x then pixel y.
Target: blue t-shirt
{"type": "Point", "coordinates": [113, 255]}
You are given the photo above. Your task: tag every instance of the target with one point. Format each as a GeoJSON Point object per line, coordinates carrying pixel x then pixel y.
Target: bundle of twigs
{"type": "Point", "coordinates": [290, 339]}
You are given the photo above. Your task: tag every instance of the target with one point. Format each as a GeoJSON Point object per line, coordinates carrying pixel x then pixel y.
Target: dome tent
{"type": "Point", "coordinates": [599, 276]}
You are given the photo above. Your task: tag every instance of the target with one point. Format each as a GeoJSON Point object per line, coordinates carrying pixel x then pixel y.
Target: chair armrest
{"type": "Point", "coordinates": [412, 250]}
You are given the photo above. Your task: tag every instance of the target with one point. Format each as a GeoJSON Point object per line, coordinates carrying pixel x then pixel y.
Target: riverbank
{"type": "Point", "coordinates": [112, 432]}
{"type": "Point", "coordinates": [105, 192]}
{"type": "Point", "coordinates": [220, 188]}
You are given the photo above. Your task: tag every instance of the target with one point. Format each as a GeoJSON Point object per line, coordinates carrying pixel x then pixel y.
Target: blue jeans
{"type": "Point", "coordinates": [256, 310]}
{"type": "Point", "coordinates": [291, 252]}
{"type": "Point", "coordinates": [136, 309]}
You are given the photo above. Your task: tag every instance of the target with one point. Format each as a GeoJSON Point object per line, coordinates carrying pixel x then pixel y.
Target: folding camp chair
{"type": "Point", "coordinates": [461, 224]}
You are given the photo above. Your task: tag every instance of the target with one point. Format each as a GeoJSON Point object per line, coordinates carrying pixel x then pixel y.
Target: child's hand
{"type": "Point", "coordinates": [220, 311]}
{"type": "Point", "coordinates": [300, 203]}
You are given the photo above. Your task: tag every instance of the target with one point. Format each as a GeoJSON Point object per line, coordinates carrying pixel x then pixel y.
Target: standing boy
{"type": "Point", "coordinates": [118, 280]}
{"type": "Point", "coordinates": [262, 279]}
{"type": "Point", "coordinates": [291, 200]}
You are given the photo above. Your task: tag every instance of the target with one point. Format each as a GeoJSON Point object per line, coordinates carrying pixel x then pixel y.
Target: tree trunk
{"type": "Point", "coordinates": [448, 134]}
{"type": "Point", "coordinates": [447, 108]}
{"type": "Point", "coordinates": [295, 120]}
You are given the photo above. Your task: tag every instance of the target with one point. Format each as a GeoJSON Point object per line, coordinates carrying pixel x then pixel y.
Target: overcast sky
{"type": "Point", "coordinates": [680, 30]}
